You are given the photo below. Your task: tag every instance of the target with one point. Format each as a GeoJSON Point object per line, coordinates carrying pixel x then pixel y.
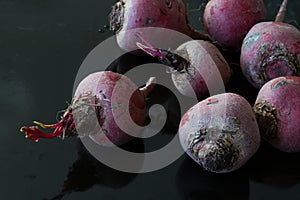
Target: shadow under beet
{"type": "Point", "coordinates": [194, 183]}
{"type": "Point", "coordinates": [87, 172]}
{"type": "Point", "coordinates": [272, 167]}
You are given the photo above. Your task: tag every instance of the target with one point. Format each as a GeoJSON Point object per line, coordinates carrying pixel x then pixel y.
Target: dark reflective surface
{"type": "Point", "coordinates": [194, 183]}
{"type": "Point", "coordinates": [274, 168]}
{"type": "Point", "coordinates": [42, 44]}
{"type": "Point", "coordinates": [87, 172]}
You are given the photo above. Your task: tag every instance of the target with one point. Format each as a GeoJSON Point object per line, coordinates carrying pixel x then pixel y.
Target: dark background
{"type": "Point", "coordinates": [42, 45]}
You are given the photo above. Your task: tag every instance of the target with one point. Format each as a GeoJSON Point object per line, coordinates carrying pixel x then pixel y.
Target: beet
{"type": "Point", "coordinates": [198, 67]}
{"type": "Point", "coordinates": [99, 110]}
{"type": "Point", "coordinates": [270, 50]}
{"type": "Point", "coordinates": [277, 110]}
{"type": "Point", "coordinates": [228, 21]}
{"type": "Point", "coordinates": [134, 14]}
{"type": "Point", "coordinates": [220, 133]}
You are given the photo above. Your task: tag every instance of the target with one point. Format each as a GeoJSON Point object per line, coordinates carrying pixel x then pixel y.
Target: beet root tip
{"type": "Point", "coordinates": [218, 155]}
{"type": "Point", "coordinates": [267, 119]}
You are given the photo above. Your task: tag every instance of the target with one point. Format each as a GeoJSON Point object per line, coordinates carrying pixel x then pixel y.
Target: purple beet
{"type": "Point", "coordinates": [198, 67]}
{"type": "Point", "coordinates": [134, 14]}
{"type": "Point", "coordinates": [270, 50]}
{"type": "Point", "coordinates": [220, 133]}
{"type": "Point", "coordinates": [98, 110]}
{"type": "Point", "coordinates": [228, 21]}
{"type": "Point", "coordinates": [277, 110]}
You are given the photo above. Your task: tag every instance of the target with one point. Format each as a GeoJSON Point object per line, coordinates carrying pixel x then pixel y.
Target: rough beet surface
{"type": "Point", "coordinates": [220, 133]}
{"type": "Point", "coordinates": [207, 69]}
{"type": "Point", "coordinates": [134, 14]}
{"type": "Point", "coordinates": [270, 50]}
{"type": "Point", "coordinates": [277, 110]}
{"type": "Point", "coordinates": [197, 67]}
{"type": "Point", "coordinates": [228, 21]}
{"type": "Point", "coordinates": [108, 83]}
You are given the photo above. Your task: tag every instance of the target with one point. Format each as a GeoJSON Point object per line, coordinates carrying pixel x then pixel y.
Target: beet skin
{"type": "Point", "coordinates": [271, 50]}
{"type": "Point", "coordinates": [197, 67]}
{"type": "Point", "coordinates": [207, 67]}
{"type": "Point", "coordinates": [136, 14]}
{"type": "Point", "coordinates": [228, 21]}
{"type": "Point", "coordinates": [220, 133]}
{"type": "Point", "coordinates": [277, 110]}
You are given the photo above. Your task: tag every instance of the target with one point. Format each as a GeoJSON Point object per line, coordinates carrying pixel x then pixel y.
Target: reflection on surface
{"type": "Point", "coordinates": [87, 172]}
{"type": "Point", "coordinates": [193, 183]}
{"type": "Point", "coordinates": [274, 168]}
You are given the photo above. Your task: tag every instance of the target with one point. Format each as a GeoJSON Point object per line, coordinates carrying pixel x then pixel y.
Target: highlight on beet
{"type": "Point", "coordinates": [99, 110]}
{"type": "Point", "coordinates": [277, 109]}
{"type": "Point", "coordinates": [228, 21]}
{"type": "Point", "coordinates": [134, 14]}
{"type": "Point", "coordinates": [220, 133]}
{"type": "Point", "coordinates": [270, 50]}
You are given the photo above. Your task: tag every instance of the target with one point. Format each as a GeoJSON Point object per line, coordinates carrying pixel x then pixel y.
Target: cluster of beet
{"type": "Point", "coordinates": [221, 132]}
